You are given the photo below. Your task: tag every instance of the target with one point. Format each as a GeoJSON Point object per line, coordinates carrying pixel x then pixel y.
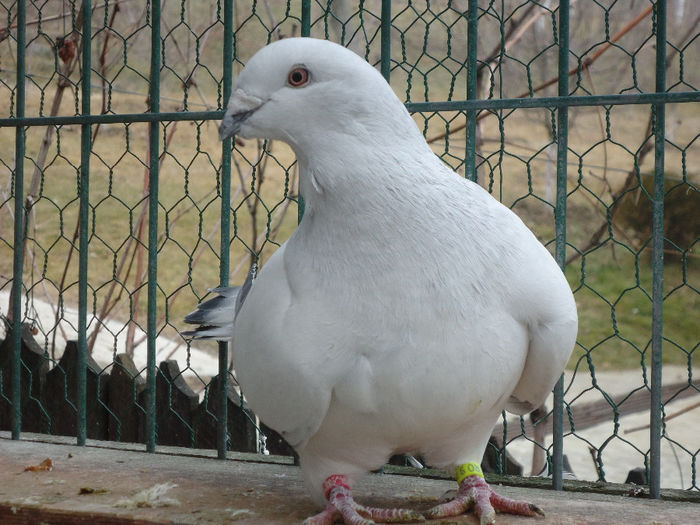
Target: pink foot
{"type": "Point", "coordinates": [342, 506]}
{"type": "Point", "coordinates": [475, 492]}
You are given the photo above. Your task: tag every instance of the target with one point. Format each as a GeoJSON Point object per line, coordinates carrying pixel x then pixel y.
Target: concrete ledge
{"type": "Point", "coordinates": [101, 483]}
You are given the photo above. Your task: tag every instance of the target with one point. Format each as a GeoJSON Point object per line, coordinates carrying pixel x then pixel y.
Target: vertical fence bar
{"type": "Point", "coordinates": [17, 261]}
{"type": "Point", "coordinates": [222, 416]}
{"type": "Point", "coordinates": [560, 226]}
{"type": "Point", "coordinates": [85, 148]}
{"type": "Point", "coordinates": [154, 148]}
{"type": "Point", "coordinates": [472, 92]}
{"type": "Point", "coordinates": [305, 31]}
{"type": "Point", "coordinates": [305, 17]}
{"type": "Point", "coordinates": [658, 256]}
{"type": "Point", "coordinates": [386, 40]}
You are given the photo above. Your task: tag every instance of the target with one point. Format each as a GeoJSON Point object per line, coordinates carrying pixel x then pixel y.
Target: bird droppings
{"type": "Point", "coordinates": [637, 492]}
{"type": "Point", "coordinates": [28, 500]}
{"type": "Point", "coordinates": [53, 482]}
{"type": "Point", "coordinates": [237, 514]}
{"type": "Point", "coordinates": [151, 497]}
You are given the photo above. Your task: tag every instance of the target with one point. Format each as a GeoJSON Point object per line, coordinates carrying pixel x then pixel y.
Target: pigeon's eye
{"type": "Point", "coordinates": [298, 76]}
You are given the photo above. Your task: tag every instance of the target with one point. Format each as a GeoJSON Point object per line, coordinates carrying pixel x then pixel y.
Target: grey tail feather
{"type": "Point", "coordinates": [206, 310]}
{"type": "Point", "coordinates": [217, 315]}
{"type": "Point", "coordinates": [218, 333]}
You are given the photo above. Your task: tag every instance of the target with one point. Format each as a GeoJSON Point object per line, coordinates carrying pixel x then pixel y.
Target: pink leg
{"type": "Point", "coordinates": [342, 506]}
{"type": "Point", "coordinates": [475, 492]}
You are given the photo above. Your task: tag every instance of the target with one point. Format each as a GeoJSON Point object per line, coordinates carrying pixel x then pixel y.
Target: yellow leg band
{"type": "Point", "coordinates": [468, 469]}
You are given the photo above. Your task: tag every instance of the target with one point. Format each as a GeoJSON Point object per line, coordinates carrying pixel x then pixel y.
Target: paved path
{"type": "Point", "coordinates": [626, 451]}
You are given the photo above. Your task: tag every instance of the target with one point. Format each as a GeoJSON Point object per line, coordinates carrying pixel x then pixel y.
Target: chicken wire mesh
{"type": "Point", "coordinates": [578, 115]}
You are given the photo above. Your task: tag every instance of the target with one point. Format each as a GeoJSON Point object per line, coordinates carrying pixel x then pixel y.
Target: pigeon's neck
{"type": "Point", "coordinates": [358, 202]}
{"type": "Point", "coordinates": [352, 171]}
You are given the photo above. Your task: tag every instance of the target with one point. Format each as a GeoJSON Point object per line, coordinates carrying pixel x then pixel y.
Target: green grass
{"type": "Point", "coordinates": [615, 311]}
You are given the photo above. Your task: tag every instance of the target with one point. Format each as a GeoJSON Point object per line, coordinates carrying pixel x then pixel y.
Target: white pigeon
{"type": "Point", "coordinates": [408, 309]}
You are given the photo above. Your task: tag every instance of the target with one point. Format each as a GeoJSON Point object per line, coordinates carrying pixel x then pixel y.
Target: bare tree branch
{"type": "Point", "coordinates": [573, 71]}
{"type": "Point", "coordinates": [646, 147]}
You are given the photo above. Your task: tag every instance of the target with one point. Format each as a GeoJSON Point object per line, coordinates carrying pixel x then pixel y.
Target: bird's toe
{"type": "Point", "coordinates": [382, 515]}
{"type": "Point", "coordinates": [475, 493]}
{"type": "Point", "coordinates": [327, 516]}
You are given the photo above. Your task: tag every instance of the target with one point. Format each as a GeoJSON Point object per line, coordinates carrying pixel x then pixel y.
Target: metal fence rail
{"type": "Point", "coordinates": [506, 92]}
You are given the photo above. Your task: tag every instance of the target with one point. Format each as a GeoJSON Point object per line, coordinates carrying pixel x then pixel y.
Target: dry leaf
{"type": "Point", "coordinates": [153, 497]}
{"type": "Point", "coordinates": [46, 465]}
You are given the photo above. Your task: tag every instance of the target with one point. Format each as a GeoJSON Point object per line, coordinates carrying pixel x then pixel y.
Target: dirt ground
{"type": "Point", "coordinates": [119, 483]}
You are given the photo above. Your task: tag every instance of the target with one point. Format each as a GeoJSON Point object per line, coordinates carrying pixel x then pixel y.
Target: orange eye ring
{"type": "Point", "coordinates": [298, 76]}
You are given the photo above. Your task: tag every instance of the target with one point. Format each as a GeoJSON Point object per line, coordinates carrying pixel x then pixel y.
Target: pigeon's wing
{"type": "Point", "coordinates": [547, 354]}
{"type": "Point", "coordinates": [279, 361]}
{"type": "Point", "coordinates": [552, 326]}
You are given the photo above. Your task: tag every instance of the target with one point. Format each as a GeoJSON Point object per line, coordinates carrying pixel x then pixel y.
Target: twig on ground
{"type": "Point", "coordinates": [666, 418]}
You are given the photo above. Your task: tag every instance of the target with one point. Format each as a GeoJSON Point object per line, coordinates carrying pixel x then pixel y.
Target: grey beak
{"type": "Point", "coordinates": [231, 124]}
{"type": "Point", "coordinates": [240, 107]}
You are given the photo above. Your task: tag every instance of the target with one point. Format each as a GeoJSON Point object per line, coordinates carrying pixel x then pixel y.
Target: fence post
{"type": "Point", "coordinates": [305, 31]}
{"type": "Point", "coordinates": [658, 256]}
{"type": "Point", "coordinates": [305, 17]}
{"type": "Point", "coordinates": [386, 39]}
{"type": "Point", "coordinates": [222, 392]}
{"type": "Point", "coordinates": [85, 149]}
{"type": "Point", "coordinates": [17, 261]}
{"type": "Point", "coordinates": [560, 227]}
{"type": "Point", "coordinates": [154, 148]}
{"type": "Point", "coordinates": [472, 91]}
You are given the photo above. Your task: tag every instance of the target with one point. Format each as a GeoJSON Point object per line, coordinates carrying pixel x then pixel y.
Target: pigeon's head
{"type": "Point", "coordinates": [299, 89]}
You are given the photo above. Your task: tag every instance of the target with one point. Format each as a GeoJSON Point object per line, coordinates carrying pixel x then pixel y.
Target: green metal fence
{"type": "Point", "coordinates": [554, 106]}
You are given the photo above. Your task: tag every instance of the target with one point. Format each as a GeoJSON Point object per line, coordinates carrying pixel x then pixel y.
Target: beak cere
{"type": "Point", "coordinates": [241, 105]}
{"type": "Point", "coordinates": [231, 124]}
